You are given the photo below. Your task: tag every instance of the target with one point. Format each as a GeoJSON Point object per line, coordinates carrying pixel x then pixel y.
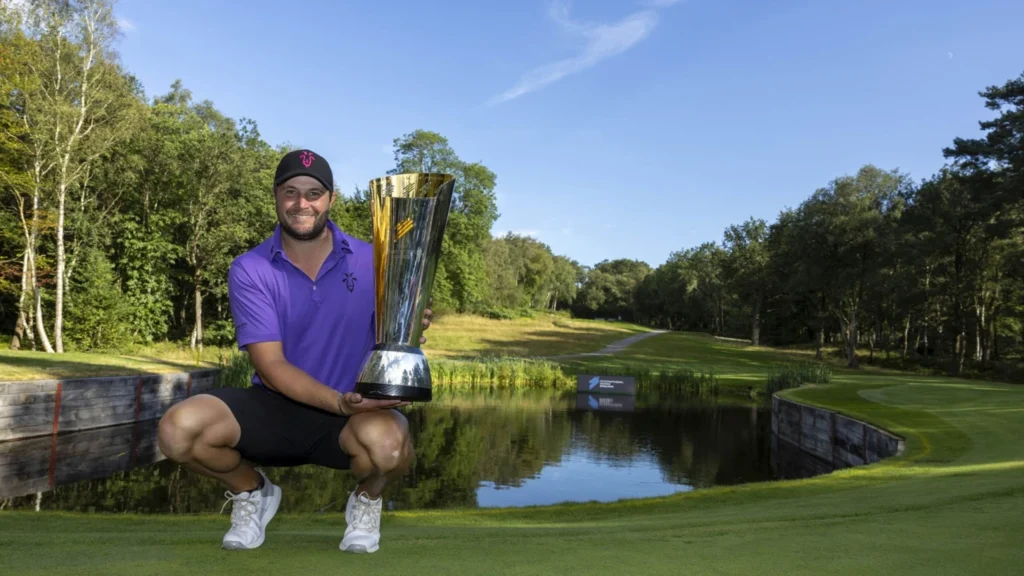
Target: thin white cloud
{"type": "Point", "coordinates": [662, 3]}
{"type": "Point", "coordinates": [125, 24]}
{"type": "Point", "coordinates": [601, 41]}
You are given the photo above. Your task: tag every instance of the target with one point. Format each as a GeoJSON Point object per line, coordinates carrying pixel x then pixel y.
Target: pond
{"type": "Point", "coordinates": [473, 450]}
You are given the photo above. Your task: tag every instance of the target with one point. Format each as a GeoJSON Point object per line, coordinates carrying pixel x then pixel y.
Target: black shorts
{"type": "Point", "coordinates": [278, 431]}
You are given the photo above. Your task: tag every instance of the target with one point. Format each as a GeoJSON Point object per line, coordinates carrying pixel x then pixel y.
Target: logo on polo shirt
{"type": "Point", "coordinates": [403, 228]}
{"type": "Point", "coordinates": [350, 281]}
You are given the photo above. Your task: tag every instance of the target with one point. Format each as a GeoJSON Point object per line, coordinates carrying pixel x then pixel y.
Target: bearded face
{"type": "Point", "coordinates": [303, 207]}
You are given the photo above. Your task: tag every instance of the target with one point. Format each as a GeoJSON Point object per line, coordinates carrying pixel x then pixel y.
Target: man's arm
{"type": "Point", "coordinates": [280, 375]}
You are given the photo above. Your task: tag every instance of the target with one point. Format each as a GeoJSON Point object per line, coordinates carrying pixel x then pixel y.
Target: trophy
{"type": "Point", "coordinates": [409, 213]}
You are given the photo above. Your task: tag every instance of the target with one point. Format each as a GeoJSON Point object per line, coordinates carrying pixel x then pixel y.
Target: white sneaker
{"type": "Point", "coordinates": [250, 514]}
{"type": "Point", "coordinates": [363, 516]}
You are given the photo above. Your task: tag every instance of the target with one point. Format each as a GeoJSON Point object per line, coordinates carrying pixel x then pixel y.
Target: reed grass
{"type": "Point", "coordinates": [794, 375]}
{"type": "Point", "coordinates": [522, 374]}
{"type": "Point", "coordinates": [499, 373]}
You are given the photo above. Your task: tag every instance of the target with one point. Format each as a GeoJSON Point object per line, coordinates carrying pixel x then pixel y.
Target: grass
{"type": "Point", "coordinates": [546, 335]}
{"type": "Point", "coordinates": [32, 365]}
{"type": "Point", "coordinates": [952, 504]}
{"type": "Point", "coordinates": [739, 369]}
{"type": "Point", "coordinates": [450, 337]}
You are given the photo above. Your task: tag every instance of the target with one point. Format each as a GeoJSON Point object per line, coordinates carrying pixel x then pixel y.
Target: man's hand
{"type": "Point", "coordinates": [426, 320]}
{"type": "Point", "coordinates": [351, 403]}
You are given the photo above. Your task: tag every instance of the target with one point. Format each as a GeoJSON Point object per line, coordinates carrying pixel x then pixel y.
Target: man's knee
{"type": "Point", "coordinates": [385, 437]}
{"type": "Point", "coordinates": [186, 423]}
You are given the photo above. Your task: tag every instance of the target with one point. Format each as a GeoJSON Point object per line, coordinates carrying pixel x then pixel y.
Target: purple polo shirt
{"type": "Point", "coordinates": [326, 326]}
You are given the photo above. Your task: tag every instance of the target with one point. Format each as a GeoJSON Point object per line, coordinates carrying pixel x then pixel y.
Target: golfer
{"type": "Point", "coordinates": [303, 307]}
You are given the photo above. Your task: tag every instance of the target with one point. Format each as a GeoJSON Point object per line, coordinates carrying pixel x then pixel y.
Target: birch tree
{"type": "Point", "coordinates": [82, 106]}
{"type": "Point", "coordinates": [27, 163]}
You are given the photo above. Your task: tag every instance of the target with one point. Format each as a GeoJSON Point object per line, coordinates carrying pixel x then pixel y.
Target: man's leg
{"type": "Point", "coordinates": [201, 434]}
{"type": "Point", "coordinates": [380, 448]}
{"type": "Point", "coordinates": [381, 451]}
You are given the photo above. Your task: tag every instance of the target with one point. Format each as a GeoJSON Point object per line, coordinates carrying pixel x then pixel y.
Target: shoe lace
{"type": "Point", "coordinates": [366, 514]}
{"type": "Point", "coordinates": [243, 511]}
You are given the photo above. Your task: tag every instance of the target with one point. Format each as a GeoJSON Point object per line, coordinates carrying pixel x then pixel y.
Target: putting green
{"type": "Point", "coordinates": [952, 504]}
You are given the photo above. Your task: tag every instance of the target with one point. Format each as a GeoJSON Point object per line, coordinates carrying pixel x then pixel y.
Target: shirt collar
{"type": "Point", "coordinates": [340, 249]}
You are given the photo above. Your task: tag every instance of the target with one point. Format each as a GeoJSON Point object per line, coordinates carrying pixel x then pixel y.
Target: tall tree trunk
{"type": "Point", "coordinates": [40, 327]}
{"type": "Point", "coordinates": [961, 347]}
{"type": "Point", "coordinates": [994, 343]}
{"type": "Point", "coordinates": [36, 290]}
{"type": "Point", "coordinates": [924, 320]}
{"type": "Point", "coordinates": [978, 306]}
{"type": "Point", "coordinates": [58, 320]}
{"type": "Point", "coordinates": [982, 330]}
{"type": "Point", "coordinates": [21, 324]}
{"type": "Point", "coordinates": [197, 330]}
{"type": "Point", "coordinates": [755, 337]}
{"type": "Point", "coordinates": [906, 336]}
{"type": "Point", "coordinates": [820, 344]}
{"type": "Point", "coordinates": [851, 342]}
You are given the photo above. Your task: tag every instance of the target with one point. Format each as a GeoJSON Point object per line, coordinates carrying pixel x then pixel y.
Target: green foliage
{"type": "Point", "coordinates": [672, 382]}
{"type": "Point", "coordinates": [236, 371]}
{"type": "Point", "coordinates": [98, 315]}
{"type": "Point", "coordinates": [609, 288]}
{"type": "Point", "coordinates": [146, 262]}
{"type": "Point", "coordinates": [523, 273]}
{"type": "Point", "coordinates": [688, 292]}
{"type": "Point", "coordinates": [499, 373]}
{"type": "Point", "coordinates": [796, 374]}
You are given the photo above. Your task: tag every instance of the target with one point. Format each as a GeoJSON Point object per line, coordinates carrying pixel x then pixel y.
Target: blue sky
{"type": "Point", "coordinates": [617, 129]}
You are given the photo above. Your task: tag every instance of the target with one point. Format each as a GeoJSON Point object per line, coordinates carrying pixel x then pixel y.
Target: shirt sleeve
{"type": "Point", "coordinates": [252, 308]}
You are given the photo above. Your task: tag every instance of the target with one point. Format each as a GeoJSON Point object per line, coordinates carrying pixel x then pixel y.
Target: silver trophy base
{"type": "Point", "coordinates": [395, 372]}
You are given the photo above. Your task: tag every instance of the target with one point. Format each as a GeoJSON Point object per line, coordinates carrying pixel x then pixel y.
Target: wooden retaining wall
{"type": "Point", "coordinates": [835, 439]}
{"type": "Point", "coordinates": [42, 463]}
{"type": "Point", "coordinates": [49, 407]}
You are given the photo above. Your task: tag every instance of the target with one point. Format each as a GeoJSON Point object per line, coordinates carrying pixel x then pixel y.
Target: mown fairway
{"type": "Point", "coordinates": [952, 504]}
{"type": "Point", "coordinates": [737, 365]}
{"type": "Point", "coordinates": [545, 335]}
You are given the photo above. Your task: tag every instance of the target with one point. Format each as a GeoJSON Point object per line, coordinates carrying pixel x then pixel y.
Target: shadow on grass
{"type": "Point", "coordinates": [552, 342]}
{"type": "Point", "coordinates": [34, 366]}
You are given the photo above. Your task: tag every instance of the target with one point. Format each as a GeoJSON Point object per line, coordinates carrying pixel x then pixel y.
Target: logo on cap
{"type": "Point", "coordinates": [307, 158]}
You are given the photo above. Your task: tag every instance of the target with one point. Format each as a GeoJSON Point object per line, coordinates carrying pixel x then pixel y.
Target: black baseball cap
{"type": "Point", "coordinates": [304, 163]}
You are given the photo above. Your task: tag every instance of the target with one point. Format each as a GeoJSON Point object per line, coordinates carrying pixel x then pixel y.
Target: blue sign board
{"type": "Point", "coordinates": [596, 384]}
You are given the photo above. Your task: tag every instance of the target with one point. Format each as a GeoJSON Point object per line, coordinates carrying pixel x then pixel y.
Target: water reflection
{"type": "Point", "coordinates": [473, 450]}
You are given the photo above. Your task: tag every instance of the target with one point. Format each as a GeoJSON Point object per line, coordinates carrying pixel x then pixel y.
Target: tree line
{"type": "Point", "coordinates": [872, 263]}
{"type": "Point", "coordinates": [120, 213]}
